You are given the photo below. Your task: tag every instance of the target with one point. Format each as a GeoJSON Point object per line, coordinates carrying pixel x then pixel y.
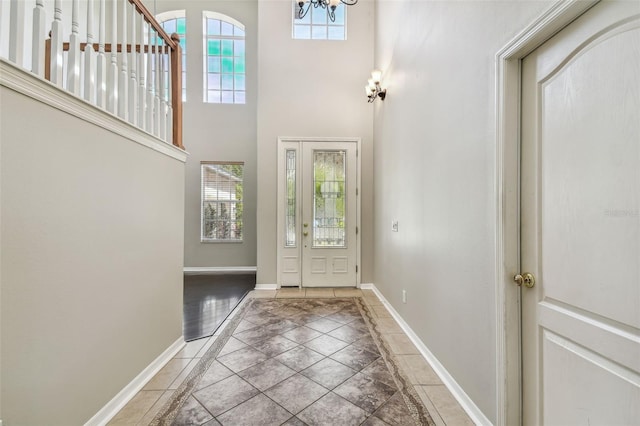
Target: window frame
{"type": "Point", "coordinates": [238, 217]}
{"type": "Point", "coordinates": [309, 16]}
{"type": "Point", "coordinates": [169, 15]}
{"type": "Point", "coordinates": [207, 15]}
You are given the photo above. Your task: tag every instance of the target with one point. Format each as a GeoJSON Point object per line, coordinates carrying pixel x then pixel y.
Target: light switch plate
{"type": "Point", "coordinates": [394, 226]}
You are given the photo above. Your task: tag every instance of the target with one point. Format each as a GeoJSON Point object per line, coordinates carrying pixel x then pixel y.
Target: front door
{"type": "Point", "coordinates": [580, 222]}
{"type": "Point", "coordinates": [317, 215]}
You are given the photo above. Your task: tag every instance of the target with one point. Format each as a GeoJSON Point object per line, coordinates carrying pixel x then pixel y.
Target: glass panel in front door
{"type": "Point", "coordinates": [329, 199]}
{"type": "Point", "coordinates": [290, 209]}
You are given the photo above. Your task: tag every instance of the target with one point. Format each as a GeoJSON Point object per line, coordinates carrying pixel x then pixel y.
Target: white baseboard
{"type": "Point", "coordinates": [112, 408]}
{"type": "Point", "coordinates": [220, 269]}
{"type": "Point", "coordinates": [266, 286]}
{"type": "Point", "coordinates": [368, 286]}
{"type": "Point", "coordinates": [447, 379]}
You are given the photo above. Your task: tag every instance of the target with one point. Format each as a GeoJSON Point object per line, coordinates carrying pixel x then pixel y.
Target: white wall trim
{"type": "Point", "coordinates": [266, 286]}
{"type": "Point", "coordinates": [447, 379]}
{"type": "Point", "coordinates": [367, 286]}
{"type": "Point", "coordinates": [220, 269]}
{"type": "Point", "coordinates": [507, 181]}
{"type": "Point", "coordinates": [112, 408]}
{"type": "Point", "coordinates": [31, 85]}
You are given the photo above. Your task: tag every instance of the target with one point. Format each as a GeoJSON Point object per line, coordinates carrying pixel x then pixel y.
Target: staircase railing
{"type": "Point", "coordinates": [123, 62]}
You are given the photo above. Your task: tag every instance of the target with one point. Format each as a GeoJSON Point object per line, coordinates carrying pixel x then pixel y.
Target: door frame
{"type": "Point", "coordinates": [282, 140]}
{"type": "Point", "coordinates": [507, 180]}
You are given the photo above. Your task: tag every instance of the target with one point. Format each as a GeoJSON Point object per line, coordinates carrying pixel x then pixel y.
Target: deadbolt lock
{"type": "Point", "coordinates": [306, 225]}
{"type": "Point", "coordinates": [305, 233]}
{"type": "Point", "coordinates": [527, 279]}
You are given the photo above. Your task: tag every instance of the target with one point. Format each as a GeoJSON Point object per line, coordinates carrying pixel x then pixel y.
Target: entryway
{"type": "Point", "coordinates": [318, 212]}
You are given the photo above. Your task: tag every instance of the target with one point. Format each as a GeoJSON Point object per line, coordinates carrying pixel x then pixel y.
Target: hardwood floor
{"type": "Point", "coordinates": [209, 299]}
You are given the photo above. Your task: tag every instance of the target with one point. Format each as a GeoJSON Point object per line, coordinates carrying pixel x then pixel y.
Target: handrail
{"type": "Point", "coordinates": [130, 81]}
{"type": "Point", "coordinates": [155, 24]}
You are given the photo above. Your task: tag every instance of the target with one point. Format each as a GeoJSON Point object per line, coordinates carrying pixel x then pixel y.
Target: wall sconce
{"type": "Point", "coordinates": [373, 89]}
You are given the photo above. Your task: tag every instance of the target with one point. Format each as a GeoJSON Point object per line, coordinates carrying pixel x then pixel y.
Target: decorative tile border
{"type": "Point", "coordinates": [409, 394]}
{"type": "Point", "coordinates": [168, 413]}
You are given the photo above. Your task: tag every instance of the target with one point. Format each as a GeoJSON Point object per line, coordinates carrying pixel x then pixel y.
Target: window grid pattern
{"type": "Point", "coordinates": [179, 26]}
{"type": "Point", "coordinates": [290, 218]}
{"type": "Point", "coordinates": [225, 75]}
{"type": "Point", "coordinates": [222, 205]}
{"type": "Point", "coordinates": [329, 199]}
{"type": "Point", "coordinates": [316, 24]}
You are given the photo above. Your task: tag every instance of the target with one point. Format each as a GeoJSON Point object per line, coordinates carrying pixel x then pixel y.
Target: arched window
{"type": "Point", "coordinates": [224, 59]}
{"type": "Point", "coordinates": [175, 21]}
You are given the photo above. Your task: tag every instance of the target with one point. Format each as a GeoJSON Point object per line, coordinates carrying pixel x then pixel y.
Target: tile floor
{"type": "Point", "coordinates": [220, 386]}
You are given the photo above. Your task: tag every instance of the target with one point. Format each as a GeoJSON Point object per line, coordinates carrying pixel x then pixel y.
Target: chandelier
{"type": "Point", "coordinates": [329, 5]}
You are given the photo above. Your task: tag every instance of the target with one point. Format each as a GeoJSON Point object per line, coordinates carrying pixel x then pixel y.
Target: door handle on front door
{"type": "Point", "coordinates": [527, 279]}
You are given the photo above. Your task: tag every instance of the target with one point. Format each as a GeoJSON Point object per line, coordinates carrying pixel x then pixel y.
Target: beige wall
{"type": "Point", "coordinates": [218, 132]}
{"type": "Point", "coordinates": [311, 88]}
{"type": "Point", "coordinates": [434, 173]}
{"type": "Point", "coordinates": [91, 255]}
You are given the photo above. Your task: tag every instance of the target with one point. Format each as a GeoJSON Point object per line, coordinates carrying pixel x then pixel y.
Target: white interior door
{"type": "Point", "coordinates": [318, 213]}
{"type": "Point", "coordinates": [580, 220]}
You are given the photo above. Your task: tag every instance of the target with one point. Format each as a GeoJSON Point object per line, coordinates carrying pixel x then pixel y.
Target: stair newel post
{"type": "Point", "coordinates": [39, 36]}
{"type": "Point", "coordinates": [112, 96]}
{"type": "Point", "coordinates": [176, 91]}
{"type": "Point", "coordinates": [17, 12]}
{"type": "Point", "coordinates": [156, 85]}
{"type": "Point", "coordinates": [73, 66]}
{"type": "Point", "coordinates": [123, 93]}
{"type": "Point", "coordinates": [101, 66]}
{"type": "Point", "coordinates": [133, 66]}
{"type": "Point", "coordinates": [150, 81]}
{"type": "Point", "coordinates": [56, 44]}
{"type": "Point", "coordinates": [141, 75]}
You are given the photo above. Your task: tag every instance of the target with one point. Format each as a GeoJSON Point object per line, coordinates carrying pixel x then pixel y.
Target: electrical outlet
{"type": "Point", "coordinates": [394, 226]}
{"type": "Point", "coordinates": [404, 296]}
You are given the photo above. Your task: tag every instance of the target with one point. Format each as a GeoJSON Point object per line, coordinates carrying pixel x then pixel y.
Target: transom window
{"type": "Point", "coordinates": [224, 54]}
{"type": "Point", "coordinates": [222, 205]}
{"type": "Point", "coordinates": [175, 22]}
{"type": "Point", "coordinates": [316, 24]}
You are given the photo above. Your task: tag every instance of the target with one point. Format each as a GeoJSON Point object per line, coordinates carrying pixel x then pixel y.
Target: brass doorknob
{"type": "Point", "coordinates": [305, 233]}
{"type": "Point", "coordinates": [527, 279]}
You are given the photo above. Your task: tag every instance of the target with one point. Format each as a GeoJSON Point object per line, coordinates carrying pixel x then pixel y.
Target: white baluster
{"type": "Point", "coordinates": [73, 65]}
{"type": "Point", "coordinates": [102, 60]}
{"type": "Point", "coordinates": [169, 100]}
{"type": "Point", "coordinates": [56, 44]}
{"type": "Point", "coordinates": [112, 87]}
{"type": "Point", "coordinates": [16, 31]}
{"type": "Point", "coordinates": [169, 137]}
{"type": "Point", "coordinates": [163, 94]}
{"type": "Point", "coordinates": [39, 35]}
{"type": "Point", "coordinates": [150, 81]}
{"type": "Point", "coordinates": [133, 64]}
{"type": "Point", "coordinates": [89, 58]}
{"type": "Point", "coordinates": [141, 75]}
{"type": "Point", "coordinates": [123, 94]}
{"type": "Point", "coordinates": [156, 85]}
